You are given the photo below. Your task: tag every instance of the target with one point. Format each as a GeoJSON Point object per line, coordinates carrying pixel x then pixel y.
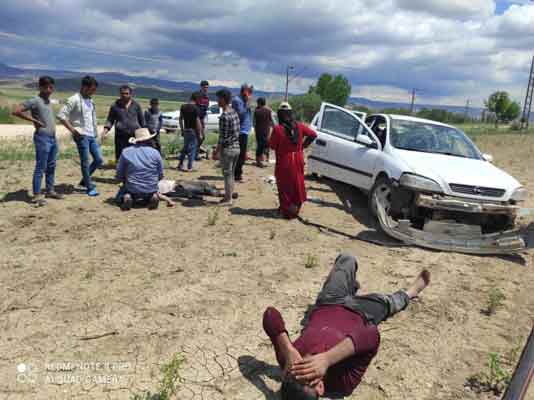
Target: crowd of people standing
{"type": "Point", "coordinates": [138, 152]}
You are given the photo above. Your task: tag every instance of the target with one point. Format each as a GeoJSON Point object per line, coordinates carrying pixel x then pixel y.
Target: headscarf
{"type": "Point", "coordinates": [286, 119]}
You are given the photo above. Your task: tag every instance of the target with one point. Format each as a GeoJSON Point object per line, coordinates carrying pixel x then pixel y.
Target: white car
{"type": "Point", "coordinates": [428, 183]}
{"type": "Point", "coordinates": [171, 124]}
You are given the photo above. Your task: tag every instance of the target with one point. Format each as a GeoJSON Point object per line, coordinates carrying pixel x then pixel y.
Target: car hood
{"type": "Point", "coordinates": [464, 171]}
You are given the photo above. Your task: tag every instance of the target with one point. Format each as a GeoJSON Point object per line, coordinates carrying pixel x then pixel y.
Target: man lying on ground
{"type": "Point", "coordinates": [140, 168]}
{"type": "Point", "coordinates": [189, 189]}
{"type": "Point", "coordinates": [340, 337]}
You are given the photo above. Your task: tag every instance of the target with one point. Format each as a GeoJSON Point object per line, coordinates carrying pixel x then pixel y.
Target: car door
{"type": "Point", "coordinates": [213, 114]}
{"type": "Point", "coordinates": [342, 157]}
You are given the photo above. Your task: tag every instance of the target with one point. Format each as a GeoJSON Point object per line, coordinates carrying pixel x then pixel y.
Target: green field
{"type": "Point", "coordinates": [12, 94]}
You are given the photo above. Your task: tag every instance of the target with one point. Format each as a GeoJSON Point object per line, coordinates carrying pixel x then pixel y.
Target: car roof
{"type": "Point", "coordinates": [415, 119]}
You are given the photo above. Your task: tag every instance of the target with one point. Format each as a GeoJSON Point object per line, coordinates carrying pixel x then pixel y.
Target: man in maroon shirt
{"type": "Point", "coordinates": [340, 338]}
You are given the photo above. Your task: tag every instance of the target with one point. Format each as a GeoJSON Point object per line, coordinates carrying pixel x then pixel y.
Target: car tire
{"type": "Point", "coordinates": [382, 188]}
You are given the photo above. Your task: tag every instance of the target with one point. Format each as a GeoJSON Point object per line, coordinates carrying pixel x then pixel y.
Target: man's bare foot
{"type": "Point", "coordinates": [421, 282]}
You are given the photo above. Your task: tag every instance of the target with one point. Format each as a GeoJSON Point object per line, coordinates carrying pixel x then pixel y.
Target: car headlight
{"type": "Point", "coordinates": [519, 194]}
{"type": "Point", "coordinates": [420, 183]}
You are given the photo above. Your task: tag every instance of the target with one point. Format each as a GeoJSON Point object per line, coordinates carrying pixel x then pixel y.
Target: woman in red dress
{"type": "Point", "coordinates": [288, 140]}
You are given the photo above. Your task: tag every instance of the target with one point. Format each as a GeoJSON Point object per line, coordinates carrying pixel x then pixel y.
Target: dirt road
{"type": "Point", "coordinates": [84, 283]}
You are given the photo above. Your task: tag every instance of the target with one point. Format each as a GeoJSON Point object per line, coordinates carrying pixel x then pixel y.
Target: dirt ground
{"type": "Point", "coordinates": [94, 300]}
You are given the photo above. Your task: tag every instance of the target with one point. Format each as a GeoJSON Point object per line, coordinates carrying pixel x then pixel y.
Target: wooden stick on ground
{"type": "Point", "coordinates": [92, 337]}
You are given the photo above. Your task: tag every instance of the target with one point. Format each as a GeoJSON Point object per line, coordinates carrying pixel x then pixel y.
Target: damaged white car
{"type": "Point", "coordinates": [428, 183]}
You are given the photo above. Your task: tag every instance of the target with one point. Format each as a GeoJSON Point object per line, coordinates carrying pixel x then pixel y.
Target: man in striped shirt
{"type": "Point", "coordinates": [228, 145]}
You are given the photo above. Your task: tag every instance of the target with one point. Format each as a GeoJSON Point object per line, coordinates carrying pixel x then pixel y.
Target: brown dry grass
{"type": "Point", "coordinates": [168, 282]}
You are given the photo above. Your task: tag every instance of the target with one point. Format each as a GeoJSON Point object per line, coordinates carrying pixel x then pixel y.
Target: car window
{"type": "Point", "coordinates": [369, 121]}
{"type": "Point", "coordinates": [340, 123]}
{"type": "Point", "coordinates": [214, 109]}
{"type": "Point", "coordinates": [431, 138]}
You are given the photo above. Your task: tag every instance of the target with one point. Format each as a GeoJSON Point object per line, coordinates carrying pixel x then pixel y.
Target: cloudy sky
{"type": "Point", "coordinates": [450, 50]}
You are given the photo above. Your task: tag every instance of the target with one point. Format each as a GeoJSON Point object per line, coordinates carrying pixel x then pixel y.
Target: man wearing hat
{"type": "Point", "coordinates": [242, 108]}
{"type": "Point", "coordinates": [140, 168]}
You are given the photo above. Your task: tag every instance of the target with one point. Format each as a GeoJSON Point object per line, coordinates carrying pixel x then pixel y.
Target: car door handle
{"type": "Point", "coordinates": [321, 143]}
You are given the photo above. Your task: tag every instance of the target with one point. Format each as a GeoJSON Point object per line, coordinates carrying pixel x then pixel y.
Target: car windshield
{"type": "Point", "coordinates": [429, 138]}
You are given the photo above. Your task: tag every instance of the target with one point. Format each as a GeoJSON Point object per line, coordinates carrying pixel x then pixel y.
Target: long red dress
{"type": "Point", "coordinates": [289, 170]}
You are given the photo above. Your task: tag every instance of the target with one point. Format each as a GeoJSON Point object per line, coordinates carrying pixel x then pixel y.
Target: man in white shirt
{"type": "Point", "coordinates": [78, 115]}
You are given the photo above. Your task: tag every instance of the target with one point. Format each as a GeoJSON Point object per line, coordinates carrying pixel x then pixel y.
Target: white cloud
{"type": "Point", "coordinates": [452, 49]}
{"type": "Point", "coordinates": [459, 9]}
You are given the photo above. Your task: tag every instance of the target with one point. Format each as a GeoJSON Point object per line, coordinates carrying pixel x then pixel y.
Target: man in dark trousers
{"type": "Point", "coordinates": [154, 121]}
{"type": "Point", "coordinates": [241, 106]}
{"type": "Point", "coordinates": [203, 103]}
{"type": "Point", "coordinates": [263, 122]}
{"type": "Point", "coordinates": [340, 338]}
{"type": "Point", "coordinates": [127, 116]}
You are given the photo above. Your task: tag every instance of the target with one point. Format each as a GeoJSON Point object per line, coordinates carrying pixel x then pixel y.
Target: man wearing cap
{"type": "Point", "coordinates": [242, 108]}
{"type": "Point", "coordinates": [203, 103]}
{"type": "Point", "coordinates": [140, 168]}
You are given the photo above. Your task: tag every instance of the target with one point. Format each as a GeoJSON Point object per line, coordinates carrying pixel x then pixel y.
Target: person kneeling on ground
{"type": "Point", "coordinates": [140, 168]}
{"type": "Point", "coordinates": [340, 338]}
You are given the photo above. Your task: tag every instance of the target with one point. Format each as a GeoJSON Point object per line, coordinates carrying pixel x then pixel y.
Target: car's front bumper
{"type": "Point", "coordinates": [447, 203]}
{"type": "Point", "coordinates": [457, 237]}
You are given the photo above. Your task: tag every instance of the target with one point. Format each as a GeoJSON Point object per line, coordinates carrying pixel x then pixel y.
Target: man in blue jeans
{"type": "Point", "coordinates": [242, 108]}
{"type": "Point", "coordinates": [44, 138]}
{"type": "Point", "coordinates": [191, 127]}
{"type": "Point", "coordinates": [78, 115]}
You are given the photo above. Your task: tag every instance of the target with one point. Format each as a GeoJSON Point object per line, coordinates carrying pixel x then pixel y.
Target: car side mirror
{"type": "Point", "coordinates": [487, 157]}
{"type": "Point", "coordinates": [366, 141]}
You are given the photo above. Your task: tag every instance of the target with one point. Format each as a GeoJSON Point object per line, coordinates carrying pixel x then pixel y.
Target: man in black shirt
{"type": "Point", "coordinates": [127, 116]}
{"type": "Point", "coordinates": [191, 128]}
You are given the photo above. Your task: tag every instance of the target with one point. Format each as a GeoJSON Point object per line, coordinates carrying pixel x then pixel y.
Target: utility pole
{"type": "Point", "coordinates": [289, 67]}
{"type": "Point", "coordinates": [525, 119]}
{"type": "Point", "coordinates": [466, 112]}
{"type": "Point", "coordinates": [412, 107]}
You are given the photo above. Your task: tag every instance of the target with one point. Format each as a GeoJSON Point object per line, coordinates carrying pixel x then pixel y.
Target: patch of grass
{"type": "Point", "coordinates": [495, 300]}
{"type": "Point", "coordinates": [230, 254]}
{"type": "Point", "coordinates": [312, 261]}
{"type": "Point", "coordinates": [213, 217]}
{"type": "Point", "coordinates": [272, 234]}
{"type": "Point", "coordinates": [89, 274]}
{"type": "Point", "coordinates": [5, 116]}
{"type": "Point", "coordinates": [169, 381]}
{"type": "Point", "coordinates": [495, 379]}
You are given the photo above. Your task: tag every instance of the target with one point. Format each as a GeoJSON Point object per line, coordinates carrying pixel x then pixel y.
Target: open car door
{"type": "Point", "coordinates": [346, 149]}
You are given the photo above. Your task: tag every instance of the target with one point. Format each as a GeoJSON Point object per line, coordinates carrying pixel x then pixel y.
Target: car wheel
{"type": "Point", "coordinates": [382, 190]}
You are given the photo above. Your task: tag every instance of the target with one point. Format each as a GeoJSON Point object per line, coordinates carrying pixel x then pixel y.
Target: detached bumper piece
{"type": "Point", "coordinates": [452, 204]}
{"type": "Point", "coordinates": [452, 236]}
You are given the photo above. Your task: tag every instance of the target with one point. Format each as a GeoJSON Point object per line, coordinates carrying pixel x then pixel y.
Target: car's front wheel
{"type": "Point", "coordinates": [381, 190]}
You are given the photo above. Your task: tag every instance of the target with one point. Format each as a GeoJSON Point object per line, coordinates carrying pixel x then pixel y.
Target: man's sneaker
{"type": "Point", "coordinates": [127, 202]}
{"type": "Point", "coordinates": [153, 203]}
{"type": "Point", "coordinates": [54, 195]}
{"type": "Point", "coordinates": [38, 200]}
{"type": "Point", "coordinates": [92, 193]}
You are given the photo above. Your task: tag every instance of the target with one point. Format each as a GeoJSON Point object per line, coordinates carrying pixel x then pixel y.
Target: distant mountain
{"type": "Point", "coordinates": [381, 105]}
{"type": "Point", "coordinates": [109, 83]}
